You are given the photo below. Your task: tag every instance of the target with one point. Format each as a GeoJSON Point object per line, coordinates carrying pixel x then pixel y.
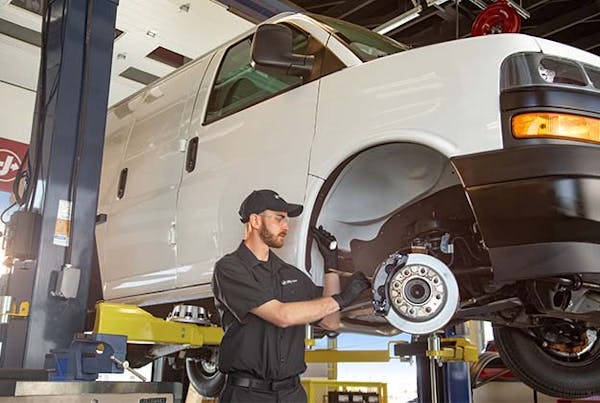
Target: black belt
{"type": "Point", "coordinates": [261, 384]}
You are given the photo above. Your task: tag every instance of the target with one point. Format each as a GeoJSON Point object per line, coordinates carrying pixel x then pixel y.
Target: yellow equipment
{"type": "Point", "coordinates": [141, 327]}
{"type": "Point", "coordinates": [317, 388]}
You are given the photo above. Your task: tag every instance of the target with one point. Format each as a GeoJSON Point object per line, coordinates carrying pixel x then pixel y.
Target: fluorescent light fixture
{"type": "Point", "coordinates": [479, 3]}
{"type": "Point", "coordinates": [435, 2]}
{"type": "Point", "coordinates": [520, 10]}
{"type": "Point", "coordinates": [399, 20]}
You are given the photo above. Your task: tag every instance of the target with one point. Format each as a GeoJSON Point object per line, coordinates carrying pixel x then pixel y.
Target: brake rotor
{"type": "Point", "coordinates": [497, 18]}
{"type": "Point", "coordinates": [416, 293]}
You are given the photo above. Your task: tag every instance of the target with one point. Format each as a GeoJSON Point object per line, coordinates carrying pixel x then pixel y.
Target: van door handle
{"type": "Point", "coordinates": [172, 235]}
{"type": "Point", "coordinates": [101, 218]}
{"type": "Point", "coordinates": [192, 152]}
{"type": "Point", "coordinates": [122, 183]}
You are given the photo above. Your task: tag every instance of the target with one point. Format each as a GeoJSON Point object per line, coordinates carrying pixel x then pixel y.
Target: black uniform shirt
{"type": "Point", "coordinates": [251, 345]}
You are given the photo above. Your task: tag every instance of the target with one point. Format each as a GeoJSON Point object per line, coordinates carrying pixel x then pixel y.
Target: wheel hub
{"type": "Point", "coordinates": [208, 366]}
{"type": "Point", "coordinates": [586, 343]}
{"type": "Point", "coordinates": [416, 293]}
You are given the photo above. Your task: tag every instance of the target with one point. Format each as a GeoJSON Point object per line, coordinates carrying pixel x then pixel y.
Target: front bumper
{"type": "Point", "coordinates": [538, 208]}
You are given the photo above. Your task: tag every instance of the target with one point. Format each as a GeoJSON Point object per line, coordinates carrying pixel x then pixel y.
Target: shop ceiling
{"type": "Point", "coordinates": [574, 22]}
{"type": "Point", "coordinates": [155, 37]}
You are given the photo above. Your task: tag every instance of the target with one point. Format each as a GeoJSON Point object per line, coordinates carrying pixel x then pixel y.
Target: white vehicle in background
{"type": "Point", "coordinates": [482, 155]}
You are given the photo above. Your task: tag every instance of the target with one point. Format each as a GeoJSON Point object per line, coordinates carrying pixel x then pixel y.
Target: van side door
{"type": "Point", "coordinates": [139, 253]}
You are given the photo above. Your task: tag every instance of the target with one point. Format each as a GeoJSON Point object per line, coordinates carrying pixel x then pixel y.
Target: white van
{"type": "Point", "coordinates": [483, 153]}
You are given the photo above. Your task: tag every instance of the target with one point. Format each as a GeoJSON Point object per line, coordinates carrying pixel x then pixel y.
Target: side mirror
{"type": "Point", "coordinates": [272, 52]}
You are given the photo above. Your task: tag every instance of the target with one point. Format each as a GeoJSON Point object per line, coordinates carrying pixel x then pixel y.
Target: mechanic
{"type": "Point", "coordinates": [265, 303]}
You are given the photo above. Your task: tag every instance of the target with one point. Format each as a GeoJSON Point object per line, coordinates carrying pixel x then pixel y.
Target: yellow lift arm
{"type": "Point", "coordinates": [347, 356]}
{"type": "Point", "coordinates": [141, 327]}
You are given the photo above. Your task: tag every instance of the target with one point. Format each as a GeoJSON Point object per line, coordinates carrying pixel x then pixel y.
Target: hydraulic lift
{"type": "Point", "coordinates": [50, 239]}
{"type": "Point", "coordinates": [442, 365]}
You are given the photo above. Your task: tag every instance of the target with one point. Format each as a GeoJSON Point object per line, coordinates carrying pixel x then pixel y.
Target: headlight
{"type": "Point", "coordinates": [556, 125]}
{"type": "Point", "coordinates": [533, 69]}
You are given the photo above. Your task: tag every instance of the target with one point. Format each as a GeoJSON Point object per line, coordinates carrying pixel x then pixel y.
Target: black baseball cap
{"type": "Point", "coordinates": [265, 199]}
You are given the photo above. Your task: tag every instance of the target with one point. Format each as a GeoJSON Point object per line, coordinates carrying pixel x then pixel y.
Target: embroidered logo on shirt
{"type": "Point", "coordinates": [286, 282]}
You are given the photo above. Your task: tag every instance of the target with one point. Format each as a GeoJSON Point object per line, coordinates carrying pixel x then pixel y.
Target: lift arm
{"type": "Point", "coordinates": [141, 327]}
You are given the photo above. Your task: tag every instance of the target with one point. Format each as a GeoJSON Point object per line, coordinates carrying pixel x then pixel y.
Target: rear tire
{"type": "Point", "coordinates": [204, 377]}
{"type": "Point", "coordinates": [538, 367]}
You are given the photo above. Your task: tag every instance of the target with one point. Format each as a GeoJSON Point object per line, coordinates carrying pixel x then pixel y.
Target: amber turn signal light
{"type": "Point", "coordinates": [556, 125]}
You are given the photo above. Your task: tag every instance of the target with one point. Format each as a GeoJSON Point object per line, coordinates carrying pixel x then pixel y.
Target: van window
{"type": "Point", "coordinates": [363, 42]}
{"type": "Point", "coordinates": [238, 85]}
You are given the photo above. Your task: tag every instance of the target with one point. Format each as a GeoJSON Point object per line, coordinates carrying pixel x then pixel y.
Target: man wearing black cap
{"type": "Point", "coordinates": [265, 304]}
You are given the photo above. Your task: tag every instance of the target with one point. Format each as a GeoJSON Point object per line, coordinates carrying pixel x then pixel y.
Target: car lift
{"type": "Point", "coordinates": [442, 367]}
{"type": "Point", "coordinates": [442, 363]}
{"type": "Point", "coordinates": [52, 272]}
{"type": "Point", "coordinates": [50, 239]}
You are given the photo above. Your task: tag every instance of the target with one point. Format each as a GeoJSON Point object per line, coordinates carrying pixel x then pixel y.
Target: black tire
{"type": "Point", "coordinates": [207, 382]}
{"type": "Point", "coordinates": [539, 369]}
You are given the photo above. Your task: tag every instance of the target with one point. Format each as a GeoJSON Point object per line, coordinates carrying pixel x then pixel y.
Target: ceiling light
{"type": "Point", "coordinates": [479, 3]}
{"type": "Point", "coordinates": [435, 2]}
{"type": "Point", "coordinates": [399, 20]}
{"type": "Point", "coordinates": [520, 10]}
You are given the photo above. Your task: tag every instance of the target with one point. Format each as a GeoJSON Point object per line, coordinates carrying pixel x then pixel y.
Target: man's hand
{"type": "Point", "coordinates": [358, 283]}
{"type": "Point", "coordinates": [327, 246]}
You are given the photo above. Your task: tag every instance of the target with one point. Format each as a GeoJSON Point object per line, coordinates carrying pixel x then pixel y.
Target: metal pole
{"type": "Point", "coordinates": [332, 367]}
{"type": "Point", "coordinates": [433, 344]}
{"type": "Point", "coordinates": [71, 107]}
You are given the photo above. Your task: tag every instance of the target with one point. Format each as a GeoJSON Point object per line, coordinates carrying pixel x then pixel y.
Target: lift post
{"type": "Point", "coordinates": [66, 155]}
{"type": "Point", "coordinates": [442, 367]}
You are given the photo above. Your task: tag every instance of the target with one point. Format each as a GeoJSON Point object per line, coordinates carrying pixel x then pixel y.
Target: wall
{"type": "Point", "coordinates": [16, 114]}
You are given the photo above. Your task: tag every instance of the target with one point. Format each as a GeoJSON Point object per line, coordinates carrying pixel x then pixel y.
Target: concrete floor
{"type": "Point", "coordinates": [493, 392]}
{"type": "Point", "coordinates": [194, 397]}
{"type": "Point", "coordinates": [505, 392]}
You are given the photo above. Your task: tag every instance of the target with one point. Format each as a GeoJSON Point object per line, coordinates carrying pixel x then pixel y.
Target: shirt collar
{"type": "Point", "coordinates": [247, 256]}
{"type": "Point", "coordinates": [251, 260]}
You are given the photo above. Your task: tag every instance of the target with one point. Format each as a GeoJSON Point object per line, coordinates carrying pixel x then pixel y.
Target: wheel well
{"type": "Point", "coordinates": [376, 198]}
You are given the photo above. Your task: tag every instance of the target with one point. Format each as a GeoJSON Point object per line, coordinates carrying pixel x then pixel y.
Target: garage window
{"type": "Point", "coordinates": [238, 85]}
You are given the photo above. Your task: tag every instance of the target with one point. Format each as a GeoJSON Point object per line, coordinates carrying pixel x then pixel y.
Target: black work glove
{"type": "Point", "coordinates": [327, 246]}
{"type": "Point", "coordinates": [358, 283]}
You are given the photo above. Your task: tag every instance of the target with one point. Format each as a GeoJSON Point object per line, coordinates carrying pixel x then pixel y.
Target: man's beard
{"type": "Point", "coordinates": [270, 239]}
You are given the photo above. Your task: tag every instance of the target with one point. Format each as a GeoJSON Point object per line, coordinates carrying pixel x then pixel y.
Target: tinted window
{"type": "Point", "coordinates": [239, 85]}
{"type": "Point", "coordinates": [365, 44]}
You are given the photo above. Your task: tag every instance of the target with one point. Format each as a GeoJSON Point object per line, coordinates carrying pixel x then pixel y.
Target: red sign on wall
{"type": "Point", "coordinates": [11, 157]}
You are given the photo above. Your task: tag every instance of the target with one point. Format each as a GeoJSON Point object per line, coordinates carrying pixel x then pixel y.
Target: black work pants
{"type": "Point", "coordinates": [239, 394]}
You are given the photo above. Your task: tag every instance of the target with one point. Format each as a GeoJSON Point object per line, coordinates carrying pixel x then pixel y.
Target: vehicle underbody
{"type": "Point", "coordinates": [549, 320]}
